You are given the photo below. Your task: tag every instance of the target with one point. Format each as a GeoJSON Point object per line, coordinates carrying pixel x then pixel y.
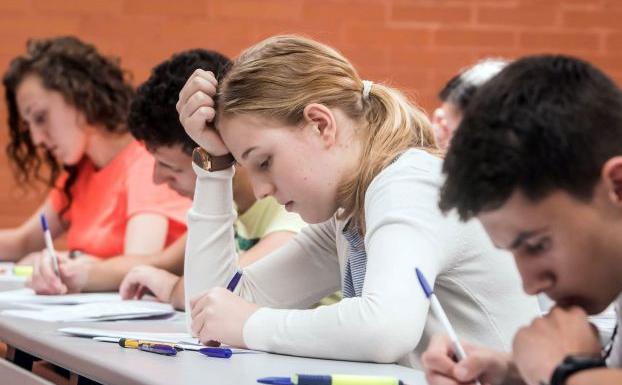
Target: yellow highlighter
{"type": "Point", "coordinates": [22, 271]}
{"type": "Point", "coordinates": [164, 348]}
{"type": "Point", "coordinates": [335, 379]}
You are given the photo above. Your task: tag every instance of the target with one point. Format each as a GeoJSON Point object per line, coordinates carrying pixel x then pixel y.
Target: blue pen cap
{"type": "Point", "coordinates": [424, 283]}
{"type": "Point", "coordinates": [314, 379]}
{"type": "Point", "coordinates": [44, 222]}
{"type": "Point", "coordinates": [216, 352]}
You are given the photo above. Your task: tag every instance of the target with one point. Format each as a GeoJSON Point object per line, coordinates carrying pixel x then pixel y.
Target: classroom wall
{"type": "Point", "coordinates": [413, 44]}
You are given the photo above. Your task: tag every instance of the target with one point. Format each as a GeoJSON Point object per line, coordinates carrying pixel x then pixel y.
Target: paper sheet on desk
{"type": "Point", "coordinates": [100, 311]}
{"type": "Point", "coordinates": [28, 296]}
{"type": "Point", "coordinates": [184, 339]}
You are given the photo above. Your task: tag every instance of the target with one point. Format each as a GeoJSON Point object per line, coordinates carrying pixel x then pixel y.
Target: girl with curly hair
{"type": "Point", "coordinates": [67, 110]}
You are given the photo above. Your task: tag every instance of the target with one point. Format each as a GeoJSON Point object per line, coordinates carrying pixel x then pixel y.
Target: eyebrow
{"type": "Point", "coordinates": [245, 154]}
{"type": "Point", "coordinates": [523, 236]}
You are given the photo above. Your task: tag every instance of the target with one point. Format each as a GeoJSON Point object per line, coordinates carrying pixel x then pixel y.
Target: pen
{"type": "Point", "coordinates": [134, 343]}
{"type": "Point", "coordinates": [231, 287]}
{"type": "Point", "coordinates": [47, 236]}
{"type": "Point", "coordinates": [335, 379]}
{"type": "Point", "coordinates": [158, 348]}
{"type": "Point", "coordinates": [216, 352]}
{"type": "Point", "coordinates": [440, 314]}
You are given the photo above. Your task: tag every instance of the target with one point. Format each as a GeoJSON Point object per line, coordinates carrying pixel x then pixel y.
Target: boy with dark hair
{"type": "Point", "coordinates": [262, 226]}
{"type": "Point", "coordinates": [538, 160]}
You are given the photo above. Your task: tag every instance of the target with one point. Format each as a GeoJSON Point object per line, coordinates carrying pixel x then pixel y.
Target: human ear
{"type": "Point", "coordinates": [322, 121]}
{"type": "Point", "coordinates": [612, 177]}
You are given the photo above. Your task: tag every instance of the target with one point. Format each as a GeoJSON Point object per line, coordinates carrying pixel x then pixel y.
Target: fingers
{"type": "Point", "coordinates": [200, 80]}
{"type": "Point", "coordinates": [44, 280]}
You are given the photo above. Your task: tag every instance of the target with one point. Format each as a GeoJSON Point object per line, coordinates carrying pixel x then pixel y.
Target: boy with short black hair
{"type": "Point", "coordinates": [538, 160]}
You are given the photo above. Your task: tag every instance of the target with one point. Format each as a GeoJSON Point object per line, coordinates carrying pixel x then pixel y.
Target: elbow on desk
{"type": "Point", "coordinates": [388, 342]}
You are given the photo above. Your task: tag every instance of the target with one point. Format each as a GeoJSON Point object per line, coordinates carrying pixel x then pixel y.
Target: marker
{"type": "Point", "coordinates": [440, 314]}
{"type": "Point", "coordinates": [335, 379]}
{"type": "Point", "coordinates": [158, 348]}
{"type": "Point", "coordinates": [47, 236]}
{"type": "Point", "coordinates": [216, 352]}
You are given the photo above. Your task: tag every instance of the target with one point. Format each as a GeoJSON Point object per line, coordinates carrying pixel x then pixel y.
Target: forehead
{"type": "Point", "coordinates": [170, 153]}
{"type": "Point", "coordinates": [241, 132]}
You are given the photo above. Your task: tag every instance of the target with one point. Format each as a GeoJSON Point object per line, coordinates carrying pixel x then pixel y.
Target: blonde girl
{"type": "Point", "coordinates": [357, 160]}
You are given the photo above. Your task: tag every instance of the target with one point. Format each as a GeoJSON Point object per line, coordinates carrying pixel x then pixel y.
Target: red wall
{"type": "Point", "coordinates": [413, 44]}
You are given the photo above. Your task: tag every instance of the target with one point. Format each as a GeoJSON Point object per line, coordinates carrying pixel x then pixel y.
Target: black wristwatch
{"type": "Point", "coordinates": [572, 364]}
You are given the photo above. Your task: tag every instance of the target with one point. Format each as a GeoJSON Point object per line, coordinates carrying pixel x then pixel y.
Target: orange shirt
{"type": "Point", "coordinates": [104, 201]}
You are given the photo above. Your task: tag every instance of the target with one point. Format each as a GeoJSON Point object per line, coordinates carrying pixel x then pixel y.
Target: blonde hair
{"type": "Point", "coordinates": [278, 77]}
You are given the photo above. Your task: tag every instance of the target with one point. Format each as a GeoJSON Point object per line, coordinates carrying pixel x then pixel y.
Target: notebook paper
{"type": "Point", "coordinates": [28, 296]}
{"type": "Point", "coordinates": [100, 311]}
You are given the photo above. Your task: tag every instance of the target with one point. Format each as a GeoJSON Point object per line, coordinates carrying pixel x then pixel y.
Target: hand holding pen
{"type": "Point", "coordinates": [439, 313]}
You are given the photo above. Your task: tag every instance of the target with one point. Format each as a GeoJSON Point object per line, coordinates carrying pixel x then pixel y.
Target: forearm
{"type": "Point", "coordinates": [177, 295]}
{"type": "Point", "coordinates": [210, 257]}
{"type": "Point", "coordinates": [12, 245]}
{"type": "Point", "coordinates": [601, 376]}
{"type": "Point", "coordinates": [107, 275]}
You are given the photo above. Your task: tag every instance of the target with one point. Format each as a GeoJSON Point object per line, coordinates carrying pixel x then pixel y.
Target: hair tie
{"type": "Point", "coordinates": [367, 88]}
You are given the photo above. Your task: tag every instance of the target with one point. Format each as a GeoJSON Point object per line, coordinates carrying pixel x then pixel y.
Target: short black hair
{"type": "Point", "coordinates": [544, 123]}
{"type": "Point", "coordinates": [153, 117]}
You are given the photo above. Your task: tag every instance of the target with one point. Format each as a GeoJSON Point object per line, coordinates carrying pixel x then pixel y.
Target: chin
{"type": "Point", "coordinates": [314, 217]}
{"type": "Point", "coordinates": [590, 306]}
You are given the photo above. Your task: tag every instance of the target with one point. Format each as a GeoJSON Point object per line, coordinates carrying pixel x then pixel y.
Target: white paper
{"type": "Point", "coordinates": [160, 337]}
{"type": "Point", "coordinates": [28, 296]}
{"type": "Point", "coordinates": [100, 311]}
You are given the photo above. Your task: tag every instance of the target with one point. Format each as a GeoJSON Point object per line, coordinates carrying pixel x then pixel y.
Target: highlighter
{"type": "Point", "coordinates": [335, 379]}
{"type": "Point", "coordinates": [152, 347]}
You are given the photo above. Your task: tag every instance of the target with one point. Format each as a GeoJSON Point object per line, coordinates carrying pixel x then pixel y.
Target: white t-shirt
{"type": "Point", "coordinates": [477, 284]}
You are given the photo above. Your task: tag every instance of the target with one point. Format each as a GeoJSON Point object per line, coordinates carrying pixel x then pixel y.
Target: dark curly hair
{"type": "Point", "coordinates": [92, 83]}
{"type": "Point", "coordinates": [544, 123]}
{"type": "Point", "coordinates": [153, 117]}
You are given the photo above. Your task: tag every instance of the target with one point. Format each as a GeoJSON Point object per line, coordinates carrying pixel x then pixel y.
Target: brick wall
{"type": "Point", "coordinates": [413, 44]}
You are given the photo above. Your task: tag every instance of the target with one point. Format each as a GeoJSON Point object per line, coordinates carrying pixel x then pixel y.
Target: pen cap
{"type": "Point", "coordinates": [128, 343]}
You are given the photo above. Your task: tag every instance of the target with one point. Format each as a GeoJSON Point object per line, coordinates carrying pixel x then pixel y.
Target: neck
{"type": "Point", "coordinates": [103, 146]}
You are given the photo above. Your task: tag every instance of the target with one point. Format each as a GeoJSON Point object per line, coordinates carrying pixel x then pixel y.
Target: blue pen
{"type": "Point", "coordinates": [47, 237]}
{"type": "Point", "coordinates": [163, 349]}
{"type": "Point", "coordinates": [234, 281]}
{"type": "Point", "coordinates": [216, 352]}
{"type": "Point", "coordinates": [334, 379]}
{"type": "Point", "coordinates": [440, 314]}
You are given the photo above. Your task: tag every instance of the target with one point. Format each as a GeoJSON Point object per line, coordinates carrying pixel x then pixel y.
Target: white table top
{"type": "Point", "coordinates": [109, 363]}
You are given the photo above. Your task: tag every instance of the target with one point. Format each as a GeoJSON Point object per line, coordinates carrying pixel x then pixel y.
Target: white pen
{"type": "Point", "coordinates": [440, 314]}
{"type": "Point", "coordinates": [47, 236]}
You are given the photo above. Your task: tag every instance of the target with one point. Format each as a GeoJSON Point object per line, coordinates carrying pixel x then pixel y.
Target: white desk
{"type": "Point", "coordinates": [108, 363]}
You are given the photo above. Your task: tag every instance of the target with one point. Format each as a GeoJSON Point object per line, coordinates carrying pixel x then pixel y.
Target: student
{"type": "Point", "coordinates": [67, 108]}
{"type": "Point", "coordinates": [262, 226]}
{"type": "Point", "coordinates": [538, 160]}
{"type": "Point", "coordinates": [356, 160]}
{"type": "Point", "coordinates": [457, 93]}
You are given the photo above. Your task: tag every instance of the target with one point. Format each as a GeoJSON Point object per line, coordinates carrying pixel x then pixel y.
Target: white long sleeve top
{"type": "Point", "coordinates": [477, 285]}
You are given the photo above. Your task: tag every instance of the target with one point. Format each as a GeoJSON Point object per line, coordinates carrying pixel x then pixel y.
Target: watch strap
{"type": "Point", "coordinates": [573, 364]}
{"type": "Point", "coordinates": [211, 163]}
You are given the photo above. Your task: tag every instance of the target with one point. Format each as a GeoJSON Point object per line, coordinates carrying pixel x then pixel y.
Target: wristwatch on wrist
{"type": "Point", "coordinates": [573, 364]}
{"type": "Point", "coordinates": [208, 162]}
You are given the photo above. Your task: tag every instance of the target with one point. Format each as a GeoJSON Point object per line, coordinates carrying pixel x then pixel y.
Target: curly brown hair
{"type": "Point", "coordinates": [92, 83]}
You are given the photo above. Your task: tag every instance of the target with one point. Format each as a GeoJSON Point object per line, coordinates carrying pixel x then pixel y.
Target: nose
{"type": "Point", "coordinates": [160, 175]}
{"type": "Point", "coordinates": [262, 188]}
{"type": "Point", "coordinates": [535, 275]}
{"type": "Point", "coordinates": [37, 136]}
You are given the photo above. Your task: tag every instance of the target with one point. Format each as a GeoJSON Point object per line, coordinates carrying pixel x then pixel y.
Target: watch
{"type": "Point", "coordinates": [208, 162]}
{"type": "Point", "coordinates": [573, 364]}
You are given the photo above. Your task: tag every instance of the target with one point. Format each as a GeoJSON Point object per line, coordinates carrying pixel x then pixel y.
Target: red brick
{"type": "Point", "coordinates": [559, 41]}
{"type": "Point", "coordinates": [464, 37]}
{"type": "Point", "coordinates": [381, 36]}
{"type": "Point", "coordinates": [262, 10]}
{"type": "Point", "coordinates": [338, 11]}
{"type": "Point", "coordinates": [613, 42]}
{"type": "Point", "coordinates": [191, 8]}
{"type": "Point", "coordinates": [543, 15]}
{"type": "Point", "coordinates": [78, 6]}
{"type": "Point", "coordinates": [597, 19]}
{"type": "Point", "coordinates": [430, 13]}
{"type": "Point", "coordinates": [15, 6]}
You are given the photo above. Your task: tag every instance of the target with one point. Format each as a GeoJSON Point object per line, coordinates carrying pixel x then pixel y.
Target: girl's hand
{"type": "Point", "coordinates": [148, 279]}
{"type": "Point", "coordinates": [220, 315]}
{"type": "Point", "coordinates": [196, 111]}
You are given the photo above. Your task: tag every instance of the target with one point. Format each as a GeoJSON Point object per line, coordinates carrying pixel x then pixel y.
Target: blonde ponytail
{"type": "Point", "coordinates": [281, 75]}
